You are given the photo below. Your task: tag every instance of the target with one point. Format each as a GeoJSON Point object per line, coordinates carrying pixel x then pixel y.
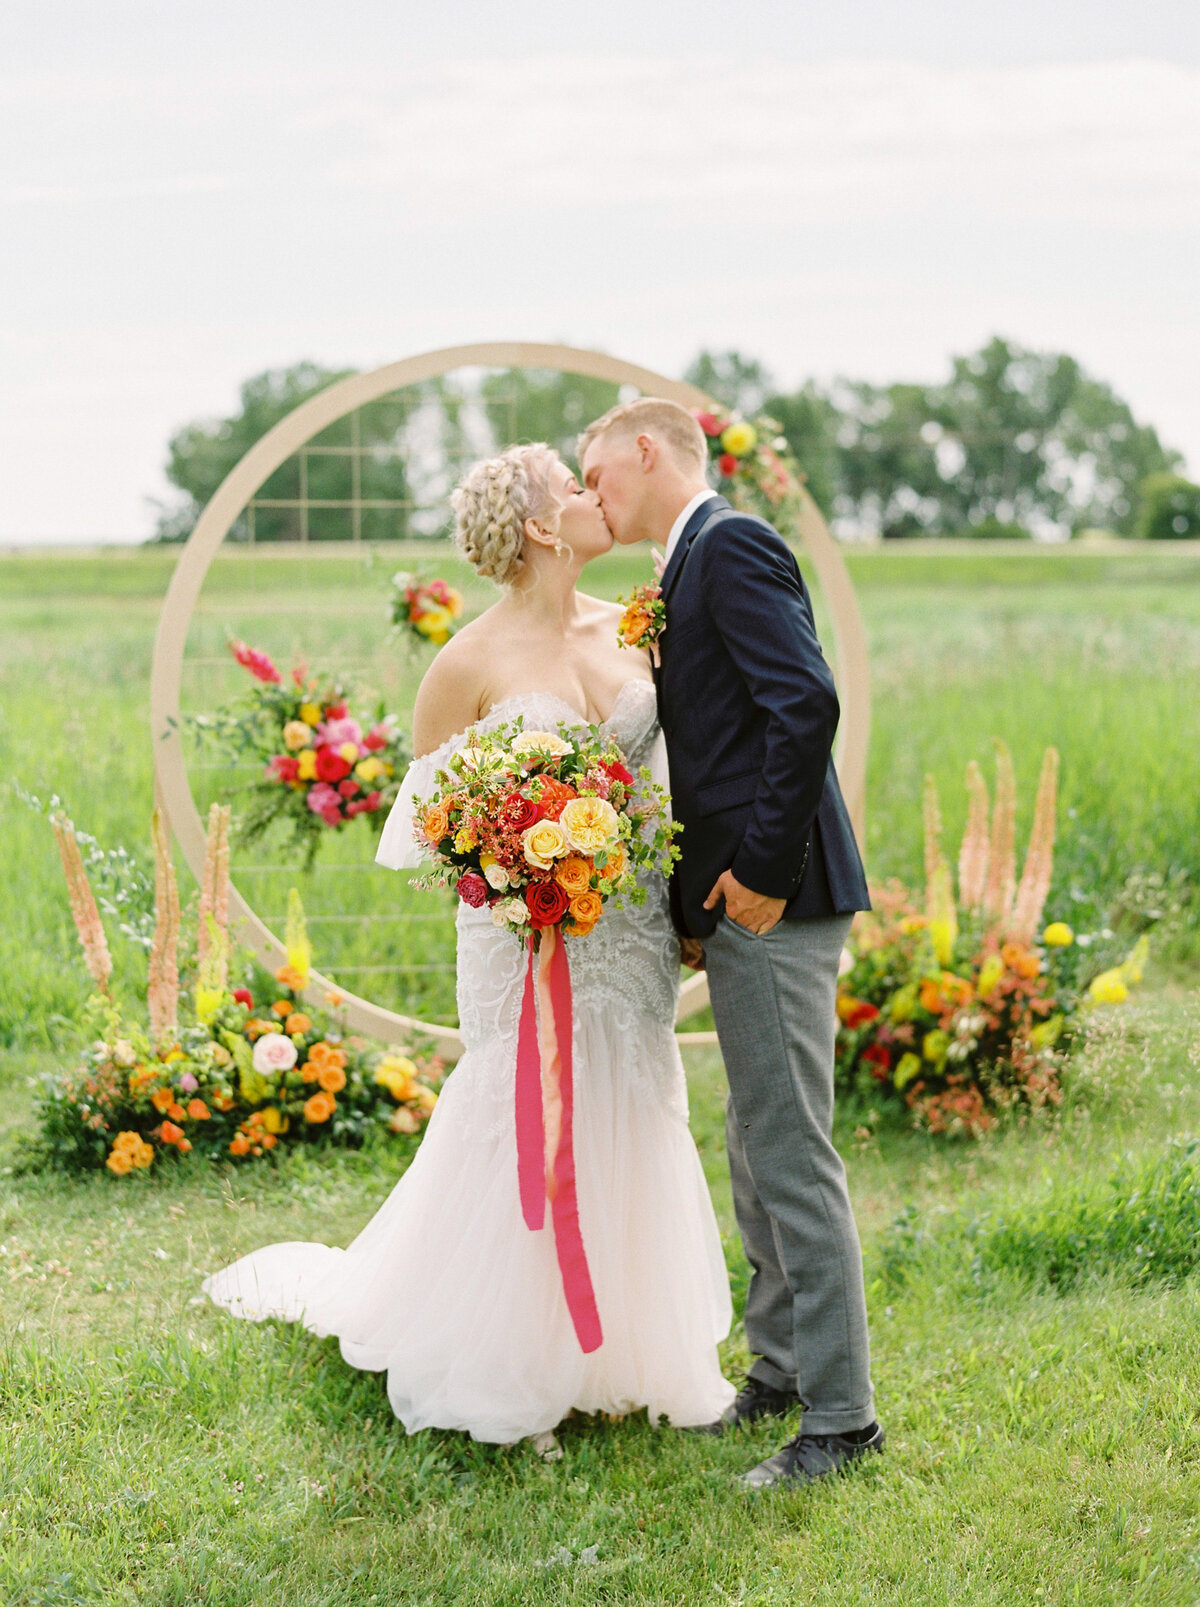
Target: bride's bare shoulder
{"type": "Point", "coordinates": [452, 689]}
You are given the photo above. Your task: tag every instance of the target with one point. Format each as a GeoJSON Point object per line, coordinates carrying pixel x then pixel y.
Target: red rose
{"type": "Point", "coordinates": [244, 996]}
{"type": "Point", "coordinates": [377, 738]}
{"type": "Point", "coordinates": [347, 788]}
{"type": "Point", "coordinates": [547, 903]}
{"type": "Point", "coordinates": [330, 764]}
{"type": "Point", "coordinates": [283, 767]}
{"type": "Point", "coordinates": [727, 464]}
{"type": "Point", "coordinates": [520, 812]}
{"type": "Point", "coordinates": [709, 424]}
{"type": "Point", "coordinates": [472, 889]}
{"type": "Point", "coordinates": [336, 711]}
{"type": "Point", "coordinates": [619, 773]}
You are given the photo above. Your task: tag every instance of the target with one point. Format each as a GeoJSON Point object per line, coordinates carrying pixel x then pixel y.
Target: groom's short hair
{"type": "Point", "coordinates": [655, 416]}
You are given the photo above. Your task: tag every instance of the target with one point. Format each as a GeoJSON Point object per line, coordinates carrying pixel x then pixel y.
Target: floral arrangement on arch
{"type": "Point", "coordinates": [753, 463]}
{"type": "Point", "coordinates": [425, 610]}
{"type": "Point", "coordinates": [543, 827]}
{"type": "Point", "coordinates": [322, 765]}
{"type": "Point", "coordinates": [221, 1071]}
{"type": "Point", "coordinates": [961, 1005]}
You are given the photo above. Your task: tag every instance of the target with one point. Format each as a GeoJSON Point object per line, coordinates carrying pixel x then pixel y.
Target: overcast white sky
{"type": "Point", "coordinates": [191, 192]}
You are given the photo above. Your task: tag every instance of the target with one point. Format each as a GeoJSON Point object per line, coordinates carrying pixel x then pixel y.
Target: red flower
{"type": "Point", "coordinates": [377, 738]}
{"type": "Point", "coordinates": [257, 663]}
{"type": "Point", "coordinates": [879, 1059]}
{"type": "Point", "coordinates": [727, 464]}
{"type": "Point", "coordinates": [520, 812]}
{"type": "Point", "coordinates": [472, 889]}
{"type": "Point", "coordinates": [283, 767]}
{"type": "Point", "coordinates": [709, 424]}
{"type": "Point", "coordinates": [347, 788]}
{"type": "Point", "coordinates": [547, 903]}
{"type": "Point", "coordinates": [619, 773]}
{"type": "Point", "coordinates": [244, 996]}
{"type": "Point", "coordinates": [371, 802]}
{"type": "Point", "coordinates": [330, 764]}
{"type": "Point", "coordinates": [336, 711]}
{"type": "Point", "coordinates": [861, 1014]}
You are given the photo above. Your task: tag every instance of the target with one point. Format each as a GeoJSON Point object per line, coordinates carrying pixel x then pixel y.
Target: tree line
{"type": "Point", "coordinates": [1012, 442]}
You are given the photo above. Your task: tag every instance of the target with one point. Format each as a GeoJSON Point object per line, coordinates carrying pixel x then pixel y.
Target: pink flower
{"type": "Point", "coordinates": [371, 802]}
{"type": "Point", "coordinates": [324, 801]}
{"type": "Point", "coordinates": [347, 788]}
{"type": "Point", "coordinates": [299, 671]}
{"type": "Point", "coordinates": [472, 889]}
{"type": "Point", "coordinates": [274, 1052]}
{"type": "Point", "coordinates": [257, 663]}
{"type": "Point", "coordinates": [335, 732]}
{"type": "Point", "coordinates": [188, 1083]}
{"type": "Point", "coordinates": [599, 782]}
{"type": "Point", "coordinates": [709, 424]}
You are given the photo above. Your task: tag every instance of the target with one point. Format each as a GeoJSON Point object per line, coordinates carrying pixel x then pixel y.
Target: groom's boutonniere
{"type": "Point", "coordinates": [644, 617]}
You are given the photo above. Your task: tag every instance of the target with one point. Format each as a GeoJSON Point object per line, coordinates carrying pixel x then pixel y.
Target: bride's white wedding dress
{"type": "Point", "coordinates": [446, 1289]}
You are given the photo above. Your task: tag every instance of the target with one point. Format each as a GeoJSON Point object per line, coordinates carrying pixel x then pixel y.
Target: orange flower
{"type": "Point", "coordinates": [334, 998]}
{"type": "Point", "coordinates": [256, 1118]}
{"type": "Point", "coordinates": [309, 1072]}
{"type": "Point", "coordinates": [198, 1110]}
{"type": "Point", "coordinates": [161, 1098]}
{"type": "Point", "coordinates": [332, 1079]}
{"type": "Point", "coordinates": [288, 977]}
{"type": "Point", "coordinates": [255, 1028]}
{"type": "Point", "coordinates": [297, 1022]}
{"type": "Point", "coordinates": [586, 910]}
{"type": "Point", "coordinates": [319, 1107]}
{"type": "Point", "coordinates": [269, 1141]}
{"type": "Point", "coordinates": [574, 875]}
{"type": "Point", "coordinates": [239, 1144]}
{"type": "Point", "coordinates": [222, 1101]}
{"type": "Point", "coordinates": [120, 1161]}
{"type": "Point", "coordinates": [176, 1112]}
{"type": "Point", "coordinates": [282, 1007]}
{"type": "Point", "coordinates": [184, 1146]}
{"type": "Point", "coordinates": [435, 823]}
{"type": "Point", "coordinates": [1021, 960]}
{"type": "Point", "coordinates": [326, 1054]}
{"type": "Point", "coordinates": [170, 1134]}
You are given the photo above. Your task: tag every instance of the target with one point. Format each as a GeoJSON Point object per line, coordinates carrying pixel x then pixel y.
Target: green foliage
{"type": "Point", "coordinates": [1170, 509]}
{"type": "Point", "coordinates": [528, 404]}
{"type": "Point", "coordinates": [739, 383]}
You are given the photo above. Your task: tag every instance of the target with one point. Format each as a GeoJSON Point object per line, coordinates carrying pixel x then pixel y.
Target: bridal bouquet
{"type": "Point", "coordinates": [321, 767]}
{"type": "Point", "coordinates": [544, 827]}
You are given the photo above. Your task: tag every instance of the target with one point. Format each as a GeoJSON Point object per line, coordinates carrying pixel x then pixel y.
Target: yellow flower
{"type": "Point", "coordinates": [307, 764]}
{"type": "Point", "coordinates": [134, 1147]}
{"type": "Point", "coordinates": [1058, 935]}
{"type": "Point", "coordinates": [590, 824]}
{"type": "Point", "coordinates": [903, 1003]}
{"type": "Point", "coordinates": [464, 840]}
{"type": "Point", "coordinates": [540, 742]}
{"type": "Point", "coordinates": [906, 1070]}
{"type": "Point", "coordinates": [274, 1120]}
{"type": "Point", "coordinates": [296, 734]}
{"type": "Point", "coordinates": [349, 751]}
{"type": "Point", "coordinates": [739, 439]}
{"type": "Point", "coordinates": [208, 1002]}
{"type": "Point", "coordinates": [935, 1045]}
{"type": "Point", "coordinates": [1108, 988]}
{"type": "Point", "coordinates": [434, 623]}
{"type": "Point", "coordinates": [454, 602]}
{"type": "Point", "coordinates": [310, 713]}
{"type": "Point", "coordinates": [119, 1162]}
{"type": "Point", "coordinates": [544, 842]}
{"type": "Point", "coordinates": [425, 1098]}
{"type": "Point", "coordinates": [913, 923]}
{"type": "Point", "coordinates": [368, 769]}
{"type": "Point", "coordinates": [396, 1073]}
{"type": "Point", "coordinates": [990, 973]}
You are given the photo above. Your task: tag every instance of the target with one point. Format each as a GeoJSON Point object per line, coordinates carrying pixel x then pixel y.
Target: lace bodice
{"type": "Point", "coordinates": [627, 970]}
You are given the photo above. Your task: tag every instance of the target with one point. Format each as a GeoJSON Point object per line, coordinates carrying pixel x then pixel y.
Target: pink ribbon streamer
{"type": "Point", "coordinates": [544, 1122]}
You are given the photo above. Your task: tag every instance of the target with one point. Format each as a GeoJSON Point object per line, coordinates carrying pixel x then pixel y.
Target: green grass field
{"type": "Point", "coordinates": [1044, 1445]}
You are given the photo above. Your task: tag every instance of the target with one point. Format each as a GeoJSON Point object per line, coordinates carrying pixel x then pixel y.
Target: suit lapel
{"type": "Point", "coordinates": [700, 517]}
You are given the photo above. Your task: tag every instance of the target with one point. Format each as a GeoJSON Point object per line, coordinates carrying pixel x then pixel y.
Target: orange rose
{"type": "Point", "coordinates": [282, 1008]}
{"type": "Point", "coordinates": [332, 1079]}
{"type": "Point", "coordinates": [198, 1110]}
{"type": "Point", "coordinates": [325, 1054]}
{"type": "Point", "coordinates": [171, 1134]}
{"type": "Point", "coordinates": [319, 1108]}
{"type": "Point", "coordinates": [161, 1098]}
{"type": "Point", "coordinates": [435, 823]}
{"type": "Point", "coordinates": [222, 1101]}
{"type": "Point", "coordinates": [574, 875]}
{"type": "Point", "coordinates": [616, 863]}
{"type": "Point", "coordinates": [120, 1162]}
{"type": "Point", "coordinates": [309, 1072]}
{"type": "Point", "coordinates": [297, 1022]}
{"type": "Point", "coordinates": [586, 910]}
{"type": "Point", "coordinates": [176, 1112]}
{"type": "Point", "coordinates": [269, 1141]}
{"type": "Point", "coordinates": [288, 976]}
{"type": "Point", "coordinates": [239, 1144]}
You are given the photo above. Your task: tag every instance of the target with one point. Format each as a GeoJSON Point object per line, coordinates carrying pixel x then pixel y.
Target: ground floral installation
{"type": "Point", "coordinates": [216, 1070]}
{"type": "Point", "coordinates": [321, 766]}
{"type": "Point", "coordinates": [753, 465]}
{"type": "Point", "coordinates": [543, 828]}
{"type": "Point", "coordinates": [424, 610]}
{"type": "Point", "coordinates": [963, 1006]}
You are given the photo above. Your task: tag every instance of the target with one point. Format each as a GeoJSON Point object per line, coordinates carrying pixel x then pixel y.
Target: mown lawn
{"type": "Point", "coordinates": [1044, 1446]}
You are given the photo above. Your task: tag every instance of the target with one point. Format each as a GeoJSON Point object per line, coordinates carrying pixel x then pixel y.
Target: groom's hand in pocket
{"type": "Point", "coordinates": [755, 911]}
{"type": "Point", "coordinates": [691, 952]}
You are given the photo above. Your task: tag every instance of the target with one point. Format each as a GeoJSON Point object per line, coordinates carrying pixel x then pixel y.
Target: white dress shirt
{"type": "Point", "coordinates": [680, 524]}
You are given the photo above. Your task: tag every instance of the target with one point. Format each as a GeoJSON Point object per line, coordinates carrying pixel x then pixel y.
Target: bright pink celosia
{"type": "Point", "coordinates": [257, 663]}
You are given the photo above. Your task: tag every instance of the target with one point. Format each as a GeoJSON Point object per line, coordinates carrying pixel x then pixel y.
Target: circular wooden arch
{"type": "Point", "coordinates": [172, 786]}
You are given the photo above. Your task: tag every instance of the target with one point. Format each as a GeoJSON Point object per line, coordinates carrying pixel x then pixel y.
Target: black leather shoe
{"type": "Point", "coordinates": [754, 1400]}
{"type": "Point", "coordinates": [810, 1457]}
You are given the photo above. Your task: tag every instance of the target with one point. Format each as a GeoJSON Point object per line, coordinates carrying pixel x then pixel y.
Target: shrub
{"type": "Point", "coordinates": [1170, 509]}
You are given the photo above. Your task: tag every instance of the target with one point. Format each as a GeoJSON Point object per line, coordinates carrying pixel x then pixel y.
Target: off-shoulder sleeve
{"type": "Point", "coordinates": [398, 847]}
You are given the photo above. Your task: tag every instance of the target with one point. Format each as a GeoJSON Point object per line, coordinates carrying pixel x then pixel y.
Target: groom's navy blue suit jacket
{"type": "Point", "coordinates": [749, 710]}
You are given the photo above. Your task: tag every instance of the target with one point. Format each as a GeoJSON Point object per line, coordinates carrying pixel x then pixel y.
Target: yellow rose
{"type": "Point", "coordinates": [396, 1073]}
{"type": "Point", "coordinates": [296, 734]}
{"type": "Point", "coordinates": [119, 1162]}
{"type": "Point", "coordinates": [368, 769]}
{"type": "Point", "coordinates": [307, 764]}
{"type": "Point", "coordinates": [574, 875]}
{"type": "Point", "coordinates": [540, 742]}
{"type": "Point", "coordinates": [590, 824]}
{"type": "Point", "coordinates": [1058, 935]}
{"type": "Point", "coordinates": [544, 842]}
{"type": "Point", "coordinates": [739, 439]}
{"type": "Point", "coordinates": [310, 714]}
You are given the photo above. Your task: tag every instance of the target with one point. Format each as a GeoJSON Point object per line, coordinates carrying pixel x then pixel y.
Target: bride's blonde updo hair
{"type": "Point", "coordinates": [492, 503]}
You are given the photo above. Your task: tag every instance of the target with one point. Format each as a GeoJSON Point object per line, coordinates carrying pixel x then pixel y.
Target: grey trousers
{"type": "Point", "coordinates": [773, 1000]}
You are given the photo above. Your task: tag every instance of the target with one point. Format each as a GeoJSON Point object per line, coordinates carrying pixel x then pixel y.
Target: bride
{"type": "Point", "coordinates": [446, 1289]}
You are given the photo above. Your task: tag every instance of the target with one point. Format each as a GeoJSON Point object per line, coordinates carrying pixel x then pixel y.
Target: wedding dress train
{"type": "Point", "coordinates": [446, 1289]}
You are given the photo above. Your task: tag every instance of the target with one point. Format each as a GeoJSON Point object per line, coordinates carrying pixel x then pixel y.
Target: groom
{"type": "Point", "coordinates": [768, 882]}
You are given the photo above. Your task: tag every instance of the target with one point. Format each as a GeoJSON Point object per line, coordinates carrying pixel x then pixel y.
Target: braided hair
{"type": "Point", "coordinates": [492, 503]}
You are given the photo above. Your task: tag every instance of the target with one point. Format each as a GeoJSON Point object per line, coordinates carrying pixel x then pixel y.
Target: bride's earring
{"type": "Point", "coordinates": [558, 547]}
